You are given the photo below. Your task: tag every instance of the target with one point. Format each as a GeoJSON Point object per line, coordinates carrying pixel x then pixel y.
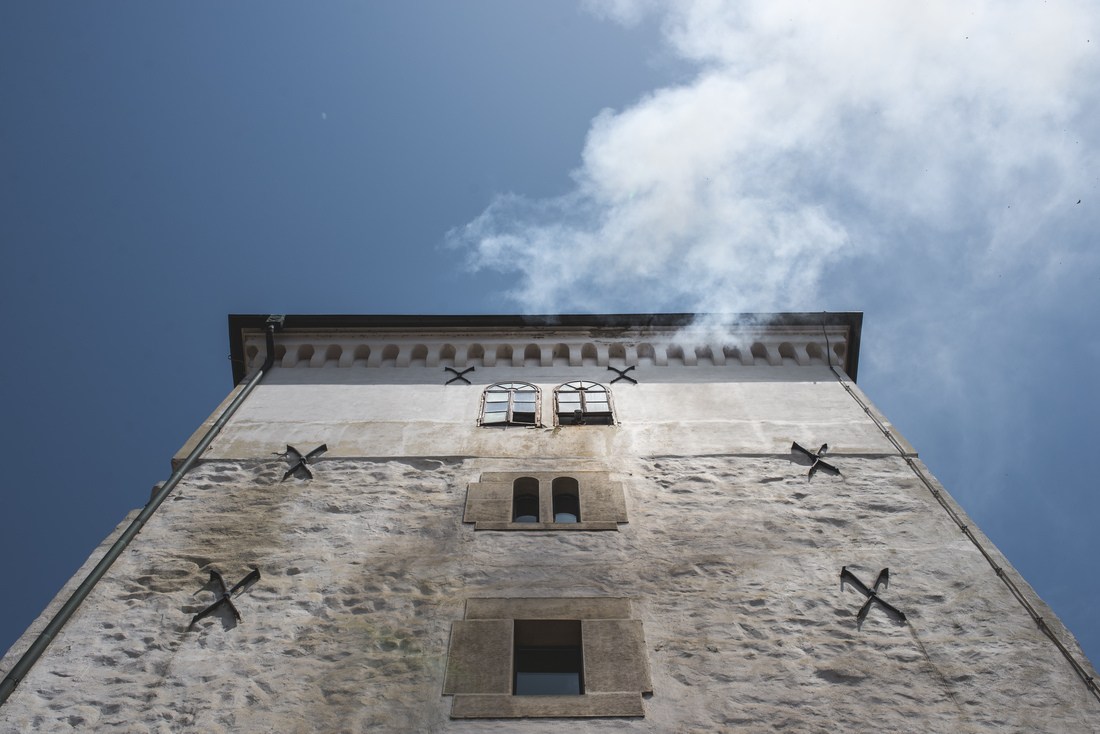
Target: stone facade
{"type": "Point", "coordinates": [709, 596]}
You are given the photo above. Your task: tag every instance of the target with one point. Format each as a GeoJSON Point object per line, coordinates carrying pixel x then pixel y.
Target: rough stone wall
{"type": "Point", "coordinates": [733, 562]}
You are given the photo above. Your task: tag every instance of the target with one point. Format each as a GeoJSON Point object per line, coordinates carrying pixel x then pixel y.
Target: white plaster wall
{"type": "Point", "coordinates": [695, 410]}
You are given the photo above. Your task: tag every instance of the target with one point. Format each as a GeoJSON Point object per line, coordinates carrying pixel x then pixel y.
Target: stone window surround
{"type": "Point", "coordinates": [489, 501]}
{"type": "Point", "coordinates": [480, 659]}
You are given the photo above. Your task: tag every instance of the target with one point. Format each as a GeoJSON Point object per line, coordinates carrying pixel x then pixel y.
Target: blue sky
{"type": "Point", "coordinates": [163, 165]}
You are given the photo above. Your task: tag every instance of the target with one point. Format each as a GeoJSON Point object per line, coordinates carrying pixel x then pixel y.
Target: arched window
{"type": "Point", "coordinates": [525, 500]}
{"type": "Point", "coordinates": [567, 500]}
{"type": "Point", "coordinates": [583, 403]}
{"type": "Point", "coordinates": [510, 404]}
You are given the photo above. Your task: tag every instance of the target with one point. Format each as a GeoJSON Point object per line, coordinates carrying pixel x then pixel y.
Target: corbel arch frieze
{"type": "Point", "coordinates": [301, 351]}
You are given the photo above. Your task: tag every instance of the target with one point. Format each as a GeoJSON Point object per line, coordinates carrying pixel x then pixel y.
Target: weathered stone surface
{"type": "Point", "coordinates": [732, 564]}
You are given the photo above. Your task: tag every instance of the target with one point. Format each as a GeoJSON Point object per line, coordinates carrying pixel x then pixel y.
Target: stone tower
{"type": "Point", "coordinates": [653, 523]}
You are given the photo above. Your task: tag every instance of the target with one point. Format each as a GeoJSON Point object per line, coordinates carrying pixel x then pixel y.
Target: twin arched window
{"type": "Point", "coordinates": [576, 403]}
{"type": "Point", "coordinates": [565, 500]}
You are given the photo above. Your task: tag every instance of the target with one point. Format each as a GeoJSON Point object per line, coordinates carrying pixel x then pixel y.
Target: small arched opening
{"type": "Point", "coordinates": [525, 500]}
{"type": "Point", "coordinates": [567, 500]}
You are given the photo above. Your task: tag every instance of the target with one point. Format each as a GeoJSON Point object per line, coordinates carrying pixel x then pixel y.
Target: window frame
{"type": "Point", "coordinates": [582, 388]}
{"type": "Point", "coordinates": [511, 387]}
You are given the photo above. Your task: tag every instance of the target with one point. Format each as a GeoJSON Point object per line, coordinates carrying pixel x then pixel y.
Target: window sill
{"type": "Point", "coordinates": [602, 525]}
{"type": "Point", "coordinates": [491, 706]}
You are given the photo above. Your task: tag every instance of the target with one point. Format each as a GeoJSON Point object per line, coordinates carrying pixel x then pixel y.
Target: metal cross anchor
{"type": "Point", "coordinates": [458, 375]}
{"type": "Point", "coordinates": [805, 457]}
{"type": "Point", "coordinates": [622, 374]}
{"type": "Point", "coordinates": [883, 580]}
{"type": "Point", "coordinates": [225, 596]}
{"type": "Point", "coordinates": [300, 462]}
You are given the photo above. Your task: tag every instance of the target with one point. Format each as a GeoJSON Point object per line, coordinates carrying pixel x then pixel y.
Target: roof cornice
{"type": "Point", "coordinates": [347, 340]}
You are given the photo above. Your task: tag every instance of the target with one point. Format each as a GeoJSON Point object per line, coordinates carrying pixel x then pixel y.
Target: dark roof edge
{"type": "Point", "coordinates": [306, 322]}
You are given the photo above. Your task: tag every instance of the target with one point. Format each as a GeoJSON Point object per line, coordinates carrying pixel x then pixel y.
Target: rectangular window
{"type": "Point", "coordinates": [547, 657]}
{"type": "Point", "coordinates": [548, 660]}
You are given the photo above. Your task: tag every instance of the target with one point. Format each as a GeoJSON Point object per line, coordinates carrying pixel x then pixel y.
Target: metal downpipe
{"type": "Point", "coordinates": [30, 657]}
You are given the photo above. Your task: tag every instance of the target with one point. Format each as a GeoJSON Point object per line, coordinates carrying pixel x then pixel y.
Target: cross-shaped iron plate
{"type": "Point", "coordinates": [622, 374]}
{"type": "Point", "coordinates": [805, 457]}
{"type": "Point", "coordinates": [883, 580]}
{"type": "Point", "coordinates": [299, 463]}
{"type": "Point", "coordinates": [458, 375]}
{"type": "Point", "coordinates": [224, 595]}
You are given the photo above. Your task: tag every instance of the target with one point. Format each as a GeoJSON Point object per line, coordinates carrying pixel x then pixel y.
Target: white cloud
{"type": "Point", "coordinates": [814, 135]}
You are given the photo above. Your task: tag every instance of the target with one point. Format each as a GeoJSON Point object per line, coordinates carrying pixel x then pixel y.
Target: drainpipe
{"type": "Point", "coordinates": [30, 657]}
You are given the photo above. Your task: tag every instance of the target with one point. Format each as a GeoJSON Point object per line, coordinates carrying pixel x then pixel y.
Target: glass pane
{"type": "Point", "coordinates": [547, 684]}
{"type": "Point", "coordinates": [496, 407]}
{"type": "Point", "coordinates": [570, 398]}
{"type": "Point", "coordinates": [566, 508]}
{"type": "Point", "coordinates": [525, 508]}
{"type": "Point", "coordinates": [548, 671]}
{"type": "Point", "coordinates": [494, 418]}
{"type": "Point", "coordinates": [496, 397]}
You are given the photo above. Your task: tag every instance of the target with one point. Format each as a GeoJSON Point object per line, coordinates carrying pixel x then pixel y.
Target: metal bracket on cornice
{"type": "Point", "coordinates": [224, 596]}
{"type": "Point", "coordinates": [622, 374]}
{"type": "Point", "coordinates": [805, 457]}
{"type": "Point", "coordinates": [299, 463]}
{"type": "Point", "coordinates": [883, 580]}
{"type": "Point", "coordinates": [458, 375]}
